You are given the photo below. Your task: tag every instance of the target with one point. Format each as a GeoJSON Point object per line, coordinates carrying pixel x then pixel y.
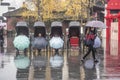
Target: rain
{"type": "Point", "coordinates": [51, 46]}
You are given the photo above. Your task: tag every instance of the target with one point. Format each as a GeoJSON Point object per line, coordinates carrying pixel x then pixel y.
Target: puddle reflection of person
{"type": "Point", "coordinates": [92, 31]}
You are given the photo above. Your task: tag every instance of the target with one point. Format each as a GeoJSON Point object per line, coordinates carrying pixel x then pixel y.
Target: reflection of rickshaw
{"type": "Point", "coordinates": [21, 41]}
{"type": "Point", "coordinates": [39, 40]}
{"type": "Point", "coordinates": [22, 74]}
{"type": "Point", "coordinates": [56, 36]}
{"type": "Point", "coordinates": [22, 64]}
{"type": "Point", "coordinates": [73, 36]}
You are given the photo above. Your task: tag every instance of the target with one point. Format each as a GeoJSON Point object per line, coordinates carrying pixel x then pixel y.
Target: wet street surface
{"type": "Point", "coordinates": [72, 68]}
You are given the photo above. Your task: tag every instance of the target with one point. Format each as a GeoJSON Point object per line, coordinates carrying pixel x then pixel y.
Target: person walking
{"type": "Point", "coordinates": [1, 38]}
{"type": "Point", "coordinates": [91, 34]}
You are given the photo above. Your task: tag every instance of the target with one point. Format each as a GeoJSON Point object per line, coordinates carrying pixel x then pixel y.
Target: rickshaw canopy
{"type": "Point", "coordinates": [39, 24]}
{"type": "Point", "coordinates": [74, 29]}
{"type": "Point", "coordinates": [56, 24]}
{"type": "Point", "coordinates": [74, 24]}
{"type": "Point", "coordinates": [21, 24]}
{"type": "Point", "coordinates": [39, 27]}
{"type": "Point", "coordinates": [22, 28]}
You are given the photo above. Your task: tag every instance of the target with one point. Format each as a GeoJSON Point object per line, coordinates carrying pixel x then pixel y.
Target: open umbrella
{"type": "Point", "coordinates": [56, 42]}
{"type": "Point", "coordinates": [21, 42]}
{"type": "Point", "coordinates": [97, 24]}
{"type": "Point", "coordinates": [22, 62]}
{"type": "Point", "coordinates": [40, 43]}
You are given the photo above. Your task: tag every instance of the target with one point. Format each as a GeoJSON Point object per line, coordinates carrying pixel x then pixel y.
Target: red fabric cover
{"type": "Point", "coordinates": [74, 41]}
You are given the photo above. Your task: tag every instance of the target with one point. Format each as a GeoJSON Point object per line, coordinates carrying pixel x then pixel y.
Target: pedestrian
{"type": "Point", "coordinates": [1, 38]}
{"type": "Point", "coordinates": [91, 34]}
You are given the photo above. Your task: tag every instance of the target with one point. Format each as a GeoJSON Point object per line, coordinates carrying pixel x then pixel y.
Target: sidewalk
{"type": "Point", "coordinates": [111, 63]}
{"type": "Point", "coordinates": [108, 68]}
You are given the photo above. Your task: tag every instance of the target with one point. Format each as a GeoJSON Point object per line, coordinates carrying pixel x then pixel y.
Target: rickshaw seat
{"type": "Point", "coordinates": [74, 41]}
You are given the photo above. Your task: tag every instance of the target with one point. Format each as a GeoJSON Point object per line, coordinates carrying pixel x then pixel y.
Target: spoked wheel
{"type": "Point", "coordinates": [36, 52]}
{"type": "Point", "coordinates": [25, 51]}
{"type": "Point", "coordinates": [56, 51]}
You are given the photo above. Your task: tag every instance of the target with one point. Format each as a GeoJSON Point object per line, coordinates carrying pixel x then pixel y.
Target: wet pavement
{"type": "Point", "coordinates": [72, 68]}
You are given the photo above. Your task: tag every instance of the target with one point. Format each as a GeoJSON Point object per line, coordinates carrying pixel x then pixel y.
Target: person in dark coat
{"type": "Point", "coordinates": [1, 38]}
{"type": "Point", "coordinates": [91, 31]}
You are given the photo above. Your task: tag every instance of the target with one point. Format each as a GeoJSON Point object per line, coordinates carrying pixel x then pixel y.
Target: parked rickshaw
{"type": "Point", "coordinates": [56, 37]}
{"type": "Point", "coordinates": [39, 40]}
{"type": "Point", "coordinates": [73, 41]}
{"type": "Point", "coordinates": [21, 41]}
{"type": "Point", "coordinates": [22, 44]}
{"type": "Point", "coordinates": [39, 48]}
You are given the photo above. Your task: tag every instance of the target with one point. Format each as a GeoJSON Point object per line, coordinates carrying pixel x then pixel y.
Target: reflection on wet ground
{"type": "Point", "coordinates": [7, 68]}
{"type": "Point", "coordinates": [72, 68]}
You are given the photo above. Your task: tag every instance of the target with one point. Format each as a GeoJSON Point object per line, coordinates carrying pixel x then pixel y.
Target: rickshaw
{"type": "Point", "coordinates": [22, 44]}
{"type": "Point", "coordinates": [39, 46]}
{"type": "Point", "coordinates": [39, 40]}
{"type": "Point", "coordinates": [73, 41]}
{"type": "Point", "coordinates": [56, 37]}
{"type": "Point", "coordinates": [21, 41]}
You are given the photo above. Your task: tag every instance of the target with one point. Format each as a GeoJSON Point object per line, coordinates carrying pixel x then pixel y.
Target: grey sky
{"type": "Point", "coordinates": [15, 3]}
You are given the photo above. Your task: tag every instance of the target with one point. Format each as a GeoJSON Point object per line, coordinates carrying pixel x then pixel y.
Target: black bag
{"type": "Point", "coordinates": [89, 40]}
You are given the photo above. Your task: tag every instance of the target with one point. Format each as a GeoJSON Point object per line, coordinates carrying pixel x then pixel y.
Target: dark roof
{"type": "Point", "coordinates": [5, 4]}
{"type": "Point", "coordinates": [98, 8]}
